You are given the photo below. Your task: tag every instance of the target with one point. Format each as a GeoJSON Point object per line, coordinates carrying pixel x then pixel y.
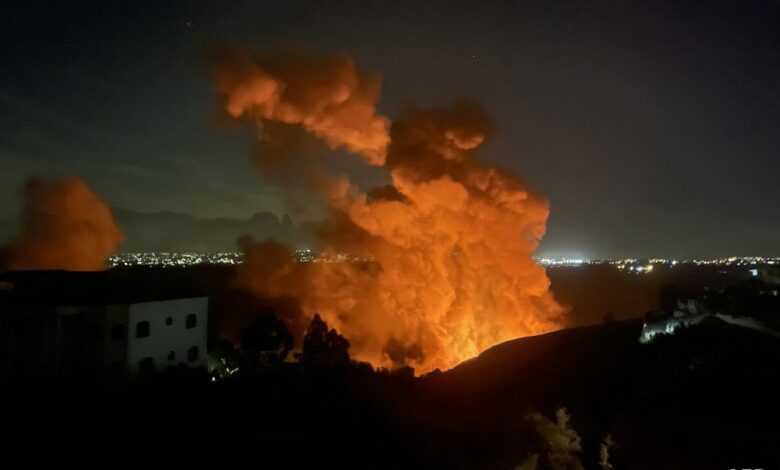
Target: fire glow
{"type": "Point", "coordinates": [450, 239]}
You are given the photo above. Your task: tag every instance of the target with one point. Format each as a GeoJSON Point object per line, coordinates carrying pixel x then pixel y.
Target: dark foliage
{"type": "Point", "coordinates": [324, 348]}
{"type": "Point", "coordinates": [265, 340]}
{"type": "Point", "coordinates": [227, 354]}
{"type": "Point", "coordinates": [702, 398]}
{"type": "Point", "coordinates": [705, 397]}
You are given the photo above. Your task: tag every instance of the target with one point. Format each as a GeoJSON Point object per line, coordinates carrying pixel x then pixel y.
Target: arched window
{"type": "Point", "coordinates": [192, 320]}
{"type": "Point", "coordinates": [142, 329]}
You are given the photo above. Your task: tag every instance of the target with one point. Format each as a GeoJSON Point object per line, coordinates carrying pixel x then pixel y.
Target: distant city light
{"type": "Point", "coordinates": [306, 255]}
{"type": "Point", "coordinates": [166, 259]}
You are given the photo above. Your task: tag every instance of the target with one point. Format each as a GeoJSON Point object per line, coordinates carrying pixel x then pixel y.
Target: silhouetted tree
{"type": "Point", "coordinates": [227, 356]}
{"type": "Point", "coordinates": [266, 338]}
{"type": "Point", "coordinates": [323, 347]}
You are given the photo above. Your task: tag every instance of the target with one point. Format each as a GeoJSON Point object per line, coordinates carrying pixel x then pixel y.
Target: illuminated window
{"type": "Point", "coordinates": [142, 329]}
{"type": "Point", "coordinates": [192, 320]}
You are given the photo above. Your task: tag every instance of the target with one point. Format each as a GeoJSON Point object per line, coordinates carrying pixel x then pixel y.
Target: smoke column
{"type": "Point", "coordinates": [445, 264]}
{"type": "Point", "coordinates": [65, 226]}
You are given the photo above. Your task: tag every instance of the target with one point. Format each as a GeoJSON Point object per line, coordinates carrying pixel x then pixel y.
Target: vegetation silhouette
{"type": "Point", "coordinates": [264, 340]}
{"type": "Point", "coordinates": [696, 399]}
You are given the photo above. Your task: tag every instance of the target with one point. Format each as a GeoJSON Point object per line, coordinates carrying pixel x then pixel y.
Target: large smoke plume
{"type": "Point", "coordinates": [328, 97]}
{"type": "Point", "coordinates": [445, 264]}
{"type": "Point", "coordinates": [65, 226]}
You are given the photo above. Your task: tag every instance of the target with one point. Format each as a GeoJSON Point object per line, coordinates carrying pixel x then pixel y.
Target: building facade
{"type": "Point", "coordinates": [166, 333]}
{"type": "Point", "coordinates": [103, 343]}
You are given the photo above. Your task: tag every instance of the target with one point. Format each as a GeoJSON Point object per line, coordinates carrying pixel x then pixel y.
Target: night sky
{"type": "Point", "coordinates": [653, 127]}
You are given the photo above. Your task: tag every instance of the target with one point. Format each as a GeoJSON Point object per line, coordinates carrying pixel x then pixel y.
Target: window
{"type": "Point", "coordinates": [169, 321]}
{"type": "Point", "coordinates": [171, 356]}
{"type": "Point", "coordinates": [146, 366]}
{"type": "Point", "coordinates": [192, 320]}
{"type": "Point", "coordinates": [192, 354]}
{"type": "Point", "coordinates": [142, 329]}
{"type": "Point", "coordinates": [118, 332]}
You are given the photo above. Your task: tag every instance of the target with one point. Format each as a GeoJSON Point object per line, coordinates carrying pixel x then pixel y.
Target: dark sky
{"type": "Point", "coordinates": [653, 127]}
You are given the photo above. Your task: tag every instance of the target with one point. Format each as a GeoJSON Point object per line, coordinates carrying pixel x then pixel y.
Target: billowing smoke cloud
{"type": "Point", "coordinates": [327, 96]}
{"type": "Point", "coordinates": [65, 226]}
{"type": "Point", "coordinates": [442, 258]}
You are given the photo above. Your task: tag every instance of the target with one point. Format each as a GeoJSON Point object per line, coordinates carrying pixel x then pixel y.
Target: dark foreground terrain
{"type": "Point", "coordinates": [705, 397]}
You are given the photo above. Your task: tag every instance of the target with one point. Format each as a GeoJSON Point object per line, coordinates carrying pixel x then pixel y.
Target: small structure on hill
{"type": "Point", "coordinates": [686, 312]}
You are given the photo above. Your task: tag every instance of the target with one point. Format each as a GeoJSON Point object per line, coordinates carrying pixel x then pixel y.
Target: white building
{"type": "Point", "coordinates": [97, 327]}
{"type": "Point", "coordinates": [687, 313]}
{"type": "Point", "coordinates": [166, 333]}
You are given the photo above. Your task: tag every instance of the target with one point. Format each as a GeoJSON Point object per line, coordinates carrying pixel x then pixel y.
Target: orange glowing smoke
{"type": "Point", "coordinates": [326, 96]}
{"type": "Point", "coordinates": [65, 226]}
{"type": "Point", "coordinates": [448, 245]}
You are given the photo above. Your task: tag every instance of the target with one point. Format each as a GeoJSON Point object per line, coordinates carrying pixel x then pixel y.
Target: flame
{"type": "Point", "coordinates": [447, 248]}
